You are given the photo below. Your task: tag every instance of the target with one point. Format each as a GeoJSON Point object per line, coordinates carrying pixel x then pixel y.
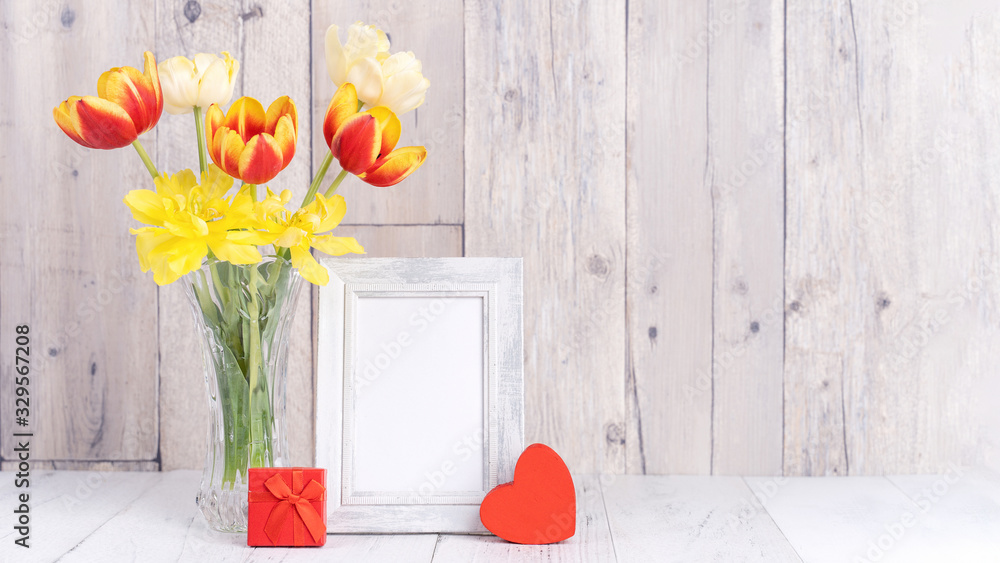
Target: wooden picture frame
{"type": "Point", "coordinates": [419, 390]}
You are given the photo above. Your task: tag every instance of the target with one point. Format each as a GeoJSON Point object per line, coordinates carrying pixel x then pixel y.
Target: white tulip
{"type": "Point", "coordinates": [358, 61]}
{"type": "Point", "coordinates": [201, 82]}
{"type": "Point", "coordinates": [381, 79]}
{"type": "Point", "coordinates": [404, 87]}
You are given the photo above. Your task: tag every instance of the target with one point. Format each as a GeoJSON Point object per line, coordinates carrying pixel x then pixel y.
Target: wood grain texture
{"type": "Point", "coordinates": [801, 507]}
{"type": "Point", "coordinates": [67, 507]}
{"type": "Point", "coordinates": [543, 162]}
{"type": "Point", "coordinates": [408, 548]}
{"type": "Point", "coordinates": [592, 541]}
{"type": "Point", "coordinates": [433, 30]}
{"type": "Point", "coordinates": [407, 241]}
{"type": "Point", "coordinates": [694, 518]}
{"type": "Point", "coordinates": [891, 254]}
{"type": "Point", "coordinates": [181, 534]}
{"type": "Point", "coordinates": [85, 465]}
{"type": "Point", "coordinates": [670, 233]}
{"type": "Point", "coordinates": [915, 518]}
{"type": "Point", "coordinates": [961, 510]}
{"type": "Point", "coordinates": [746, 172]}
{"type": "Point", "coordinates": [67, 264]}
{"type": "Point", "coordinates": [170, 504]}
{"type": "Point", "coordinates": [865, 519]}
{"type": "Point", "coordinates": [824, 326]}
{"type": "Point", "coordinates": [635, 157]}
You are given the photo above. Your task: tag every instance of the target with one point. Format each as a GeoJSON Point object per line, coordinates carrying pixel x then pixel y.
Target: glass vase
{"type": "Point", "coordinates": [243, 314]}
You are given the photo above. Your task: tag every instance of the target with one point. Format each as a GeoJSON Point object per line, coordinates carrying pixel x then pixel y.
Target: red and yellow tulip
{"type": "Point", "coordinates": [249, 143]}
{"type": "Point", "coordinates": [128, 103]}
{"type": "Point", "coordinates": [364, 142]}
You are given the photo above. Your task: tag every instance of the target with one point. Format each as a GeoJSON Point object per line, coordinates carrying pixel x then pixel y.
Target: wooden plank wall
{"type": "Point", "coordinates": [760, 237]}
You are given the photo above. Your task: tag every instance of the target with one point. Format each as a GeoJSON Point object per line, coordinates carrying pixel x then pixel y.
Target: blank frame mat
{"type": "Point", "coordinates": [415, 356]}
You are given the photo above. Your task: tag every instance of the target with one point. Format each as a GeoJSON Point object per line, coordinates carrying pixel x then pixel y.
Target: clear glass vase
{"type": "Point", "coordinates": [243, 314]}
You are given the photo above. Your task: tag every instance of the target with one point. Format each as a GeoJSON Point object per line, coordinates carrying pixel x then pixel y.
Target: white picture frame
{"type": "Point", "coordinates": [419, 390]}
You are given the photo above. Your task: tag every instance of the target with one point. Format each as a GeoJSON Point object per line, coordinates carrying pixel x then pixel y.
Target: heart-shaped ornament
{"type": "Point", "coordinates": [539, 506]}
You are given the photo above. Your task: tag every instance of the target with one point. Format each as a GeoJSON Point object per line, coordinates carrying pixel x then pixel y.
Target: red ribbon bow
{"type": "Point", "coordinates": [304, 515]}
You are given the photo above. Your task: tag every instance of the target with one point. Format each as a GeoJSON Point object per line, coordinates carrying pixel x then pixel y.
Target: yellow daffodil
{"type": "Point", "coordinates": [300, 231]}
{"type": "Point", "coordinates": [186, 219]}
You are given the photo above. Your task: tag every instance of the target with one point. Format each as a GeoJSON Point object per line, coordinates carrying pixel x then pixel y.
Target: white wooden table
{"type": "Point", "coordinates": [149, 517]}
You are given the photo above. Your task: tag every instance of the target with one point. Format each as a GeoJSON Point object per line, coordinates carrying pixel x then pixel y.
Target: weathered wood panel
{"type": "Point", "coordinates": [67, 264]}
{"type": "Point", "coordinates": [687, 518]}
{"type": "Point", "coordinates": [891, 250]}
{"type": "Point", "coordinates": [746, 172]}
{"type": "Point", "coordinates": [544, 154]}
{"type": "Point", "coordinates": [76, 465]}
{"type": "Point", "coordinates": [824, 331]}
{"type": "Point", "coordinates": [433, 30]}
{"type": "Point", "coordinates": [72, 505]}
{"type": "Point", "coordinates": [670, 233]}
{"type": "Point", "coordinates": [407, 241]}
{"type": "Point", "coordinates": [664, 317]}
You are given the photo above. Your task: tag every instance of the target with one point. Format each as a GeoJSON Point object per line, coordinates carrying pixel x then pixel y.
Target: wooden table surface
{"type": "Point", "coordinates": [149, 517]}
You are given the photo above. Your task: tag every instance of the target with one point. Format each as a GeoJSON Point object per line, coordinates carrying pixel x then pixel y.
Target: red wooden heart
{"type": "Point", "coordinates": [539, 506]}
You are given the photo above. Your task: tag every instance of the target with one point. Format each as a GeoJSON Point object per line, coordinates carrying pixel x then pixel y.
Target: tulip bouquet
{"type": "Point", "coordinates": [241, 251]}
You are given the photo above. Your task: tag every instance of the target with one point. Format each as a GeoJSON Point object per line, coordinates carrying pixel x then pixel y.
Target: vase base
{"type": "Point", "coordinates": [225, 510]}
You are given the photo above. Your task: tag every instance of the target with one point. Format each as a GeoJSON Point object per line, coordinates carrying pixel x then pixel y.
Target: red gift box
{"type": "Point", "coordinates": [287, 507]}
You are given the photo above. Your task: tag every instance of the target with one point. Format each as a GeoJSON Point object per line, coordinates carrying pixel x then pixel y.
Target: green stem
{"type": "Point", "coordinates": [259, 413]}
{"type": "Point", "coordinates": [318, 179]}
{"type": "Point", "coordinates": [253, 191]}
{"type": "Point", "coordinates": [145, 159]}
{"type": "Point", "coordinates": [220, 289]}
{"type": "Point", "coordinates": [335, 185]}
{"type": "Point", "coordinates": [199, 126]}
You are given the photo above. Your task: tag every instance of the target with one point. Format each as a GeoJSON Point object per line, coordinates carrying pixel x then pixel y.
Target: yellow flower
{"type": "Point", "coordinates": [300, 231]}
{"type": "Point", "coordinates": [186, 219]}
